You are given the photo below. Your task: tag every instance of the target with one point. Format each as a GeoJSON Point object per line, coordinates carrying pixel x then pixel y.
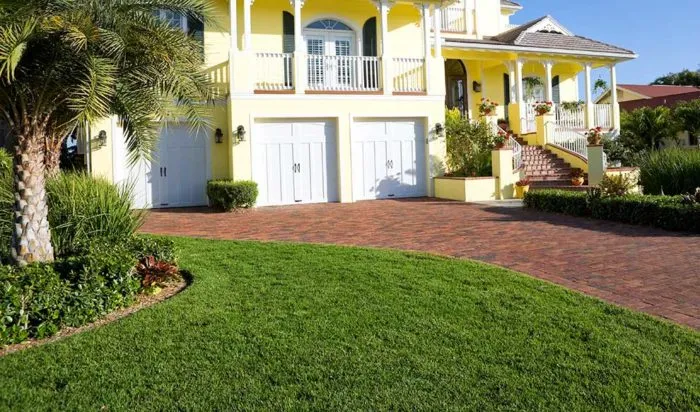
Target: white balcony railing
{"type": "Point", "coordinates": [409, 74]}
{"type": "Point", "coordinates": [602, 115]}
{"type": "Point", "coordinates": [274, 71]}
{"type": "Point", "coordinates": [453, 20]}
{"type": "Point", "coordinates": [343, 73]}
{"type": "Point", "coordinates": [573, 118]}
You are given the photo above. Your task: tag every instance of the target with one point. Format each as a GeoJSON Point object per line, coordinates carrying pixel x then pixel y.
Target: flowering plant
{"type": "Point", "coordinates": [487, 107]}
{"type": "Point", "coordinates": [595, 135]}
{"type": "Point", "coordinates": [523, 182]}
{"type": "Point", "coordinates": [501, 138]}
{"type": "Point", "coordinates": [542, 108]}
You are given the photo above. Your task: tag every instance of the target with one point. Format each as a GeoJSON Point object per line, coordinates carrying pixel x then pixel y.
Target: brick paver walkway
{"type": "Point", "coordinates": [642, 268]}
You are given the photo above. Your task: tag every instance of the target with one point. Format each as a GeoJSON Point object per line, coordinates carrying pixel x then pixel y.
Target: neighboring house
{"type": "Point", "coordinates": [635, 96]}
{"type": "Point", "coordinates": [329, 101]}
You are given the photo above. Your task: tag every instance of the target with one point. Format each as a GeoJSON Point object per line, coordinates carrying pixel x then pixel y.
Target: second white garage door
{"type": "Point", "coordinates": [388, 159]}
{"type": "Point", "coordinates": [295, 161]}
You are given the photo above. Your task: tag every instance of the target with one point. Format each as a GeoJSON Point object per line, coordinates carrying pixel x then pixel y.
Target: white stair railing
{"type": "Point", "coordinates": [511, 143]}
{"type": "Point", "coordinates": [409, 74]}
{"type": "Point", "coordinates": [274, 71]}
{"type": "Point", "coordinates": [602, 115]}
{"type": "Point", "coordinates": [528, 122]}
{"type": "Point", "coordinates": [343, 73]}
{"type": "Point", "coordinates": [567, 138]}
{"type": "Point", "coordinates": [573, 118]}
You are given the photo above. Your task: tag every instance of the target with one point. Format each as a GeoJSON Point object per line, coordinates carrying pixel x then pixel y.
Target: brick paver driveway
{"type": "Point", "coordinates": [642, 268]}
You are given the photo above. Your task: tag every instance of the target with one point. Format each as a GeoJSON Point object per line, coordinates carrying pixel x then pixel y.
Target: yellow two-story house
{"type": "Point", "coordinates": [341, 101]}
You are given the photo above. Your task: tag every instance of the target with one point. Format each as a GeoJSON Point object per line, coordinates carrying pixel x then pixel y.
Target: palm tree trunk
{"type": "Point", "coordinates": [52, 159]}
{"type": "Point", "coordinates": [31, 236]}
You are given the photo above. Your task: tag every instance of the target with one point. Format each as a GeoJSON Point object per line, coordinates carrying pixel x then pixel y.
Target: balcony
{"type": "Point", "coordinates": [276, 73]}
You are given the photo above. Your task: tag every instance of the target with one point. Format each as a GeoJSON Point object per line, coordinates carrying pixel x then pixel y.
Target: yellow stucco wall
{"type": "Point", "coordinates": [341, 110]}
{"type": "Point", "coordinates": [466, 189]}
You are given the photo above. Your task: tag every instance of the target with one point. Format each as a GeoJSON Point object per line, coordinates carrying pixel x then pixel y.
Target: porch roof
{"type": "Point", "coordinates": [544, 35]}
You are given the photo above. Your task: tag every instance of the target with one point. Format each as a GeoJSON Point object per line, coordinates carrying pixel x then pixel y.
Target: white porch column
{"type": "Point", "coordinates": [387, 60]}
{"type": "Point", "coordinates": [233, 22]}
{"type": "Point", "coordinates": [437, 30]}
{"type": "Point", "coordinates": [613, 97]}
{"type": "Point", "coordinates": [548, 90]}
{"type": "Point", "coordinates": [511, 81]}
{"type": "Point", "coordinates": [247, 26]}
{"type": "Point", "coordinates": [519, 94]}
{"type": "Point", "coordinates": [468, 16]}
{"type": "Point", "coordinates": [299, 49]}
{"type": "Point", "coordinates": [425, 16]}
{"type": "Point", "coordinates": [233, 40]}
{"type": "Point", "coordinates": [589, 97]}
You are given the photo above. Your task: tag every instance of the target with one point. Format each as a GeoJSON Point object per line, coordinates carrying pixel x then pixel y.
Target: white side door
{"type": "Point", "coordinates": [388, 159]}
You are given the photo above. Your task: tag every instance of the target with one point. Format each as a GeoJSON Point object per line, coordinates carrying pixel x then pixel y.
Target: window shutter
{"type": "Point", "coordinates": [288, 45]}
{"type": "Point", "coordinates": [506, 88]}
{"type": "Point", "coordinates": [195, 28]}
{"type": "Point", "coordinates": [556, 95]}
{"type": "Point", "coordinates": [369, 38]}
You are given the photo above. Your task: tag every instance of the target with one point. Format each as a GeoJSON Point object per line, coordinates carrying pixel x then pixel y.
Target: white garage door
{"type": "Point", "coordinates": [294, 161]}
{"type": "Point", "coordinates": [176, 177]}
{"type": "Point", "coordinates": [388, 159]}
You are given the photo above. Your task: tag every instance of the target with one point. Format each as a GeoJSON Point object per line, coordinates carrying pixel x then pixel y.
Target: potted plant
{"type": "Point", "coordinates": [595, 136]}
{"type": "Point", "coordinates": [577, 177]}
{"type": "Point", "coordinates": [522, 186]}
{"type": "Point", "coordinates": [542, 108]}
{"type": "Point", "coordinates": [487, 107]}
{"type": "Point", "coordinates": [500, 139]}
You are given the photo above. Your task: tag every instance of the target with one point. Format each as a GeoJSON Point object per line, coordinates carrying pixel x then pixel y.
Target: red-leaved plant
{"type": "Point", "coordinates": [155, 273]}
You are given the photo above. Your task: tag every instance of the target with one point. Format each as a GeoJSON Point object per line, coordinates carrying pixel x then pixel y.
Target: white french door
{"type": "Point", "coordinates": [329, 64]}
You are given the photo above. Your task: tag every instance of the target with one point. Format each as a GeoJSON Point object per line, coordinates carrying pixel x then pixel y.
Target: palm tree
{"type": "Point", "coordinates": [64, 63]}
{"type": "Point", "coordinates": [646, 128]}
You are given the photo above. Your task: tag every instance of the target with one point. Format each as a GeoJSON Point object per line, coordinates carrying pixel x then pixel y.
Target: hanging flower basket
{"type": "Point", "coordinates": [542, 108]}
{"type": "Point", "coordinates": [487, 107]}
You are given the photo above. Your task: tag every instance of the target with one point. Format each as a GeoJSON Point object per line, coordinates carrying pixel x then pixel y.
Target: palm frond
{"type": "Point", "coordinates": [13, 43]}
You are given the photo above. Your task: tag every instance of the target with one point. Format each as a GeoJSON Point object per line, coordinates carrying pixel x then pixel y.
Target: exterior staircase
{"type": "Point", "coordinates": [546, 170]}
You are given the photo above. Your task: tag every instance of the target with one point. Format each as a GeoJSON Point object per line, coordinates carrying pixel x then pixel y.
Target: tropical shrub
{"type": "Point", "coordinates": [617, 185]}
{"type": "Point", "coordinates": [619, 150]}
{"type": "Point", "coordinates": [228, 195]}
{"type": "Point", "coordinates": [38, 300]}
{"type": "Point", "coordinates": [468, 146]}
{"type": "Point", "coordinates": [672, 171]}
{"type": "Point", "coordinates": [85, 210]}
{"type": "Point", "coordinates": [666, 212]}
{"type": "Point", "coordinates": [647, 128]}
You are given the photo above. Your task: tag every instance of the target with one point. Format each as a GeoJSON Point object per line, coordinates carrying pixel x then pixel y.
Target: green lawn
{"type": "Point", "coordinates": [276, 326]}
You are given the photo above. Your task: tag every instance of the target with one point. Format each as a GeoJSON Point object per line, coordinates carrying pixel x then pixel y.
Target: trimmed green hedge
{"type": "Point", "coordinates": [666, 212]}
{"type": "Point", "coordinates": [228, 195]}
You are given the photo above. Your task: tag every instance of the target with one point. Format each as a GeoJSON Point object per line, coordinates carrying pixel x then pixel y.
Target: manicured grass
{"type": "Point", "coordinates": [275, 326]}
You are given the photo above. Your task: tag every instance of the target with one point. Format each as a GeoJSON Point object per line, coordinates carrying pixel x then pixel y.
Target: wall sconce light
{"type": "Point", "coordinates": [102, 138]}
{"type": "Point", "coordinates": [476, 86]}
{"type": "Point", "coordinates": [219, 136]}
{"type": "Point", "coordinates": [240, 134]}
{"type": "Point", "coordinates": [439, 129]}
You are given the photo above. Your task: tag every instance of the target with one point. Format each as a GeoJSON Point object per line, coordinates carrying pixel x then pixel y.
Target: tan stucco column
{"type": "Point", "coordinates": [502, 164]}
{"type": "Point", "coordinates": [596, 165]}
{"type": "Point", "coordinates": [542, 125]}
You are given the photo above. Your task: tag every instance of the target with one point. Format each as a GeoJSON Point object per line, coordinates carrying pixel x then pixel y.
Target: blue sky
{"type": "Point", "coordinates": [665, 35]}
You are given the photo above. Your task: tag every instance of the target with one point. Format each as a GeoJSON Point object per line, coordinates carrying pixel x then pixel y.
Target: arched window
{"type": "Point", "coordinates": [329, 24]}
{"type": "Point", "coordinates": [369, 37]}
